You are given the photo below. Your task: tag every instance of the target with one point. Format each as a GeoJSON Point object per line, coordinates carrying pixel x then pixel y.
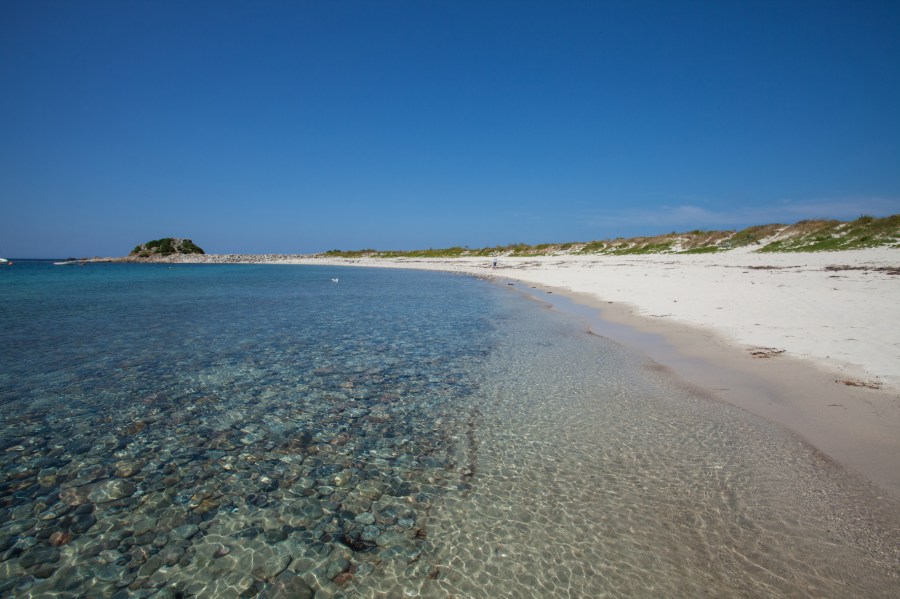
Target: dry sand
{"type": "Point", "coordinates": [808, 340]}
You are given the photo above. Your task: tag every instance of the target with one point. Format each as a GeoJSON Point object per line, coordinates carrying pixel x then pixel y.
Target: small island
{"type": "Point", "coordinates": [165, 247]}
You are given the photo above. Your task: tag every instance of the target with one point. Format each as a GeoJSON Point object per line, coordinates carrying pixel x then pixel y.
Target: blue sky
{"type": "Point", "coordinates": [306, 126]}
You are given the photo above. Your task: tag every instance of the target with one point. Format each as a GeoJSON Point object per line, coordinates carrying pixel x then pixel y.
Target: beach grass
{"type": "Point", "coordinates": [803, 236]}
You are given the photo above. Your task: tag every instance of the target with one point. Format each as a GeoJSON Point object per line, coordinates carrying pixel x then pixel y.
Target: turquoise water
{"type": "Point", "coordinates": [261, 431]}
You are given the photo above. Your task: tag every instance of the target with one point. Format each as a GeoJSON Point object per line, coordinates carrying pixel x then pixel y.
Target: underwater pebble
{"type": "Point", "coordinates": [290, 586]}
{"type": "Point", "coordinates": [39, 555]}
{"type": "Point", "coordinates": [144, 526]}
{"type": "Point", "coordinates": [127, 469]}
{"type": "Point", "coordinates": [47, 477]}
{"type": "Point", "coordinates": [184, 532]}
{"type": "Point", "coordinates": [44, 571]}
{"type": "Point", "coordinates": [270, 567]}
{"type": "Point", "coordinates": [111, 490]}
{"type": "Point", "coordinates": [109, 572]}
{"type": "Point", "coordinates": [390, 539]}
{"type": "Point", "coordinates": [171, 554]}
{"type": "Point", "coordinates": [17, 527]}
{"type": "Point", "coordinates": [365, 518]}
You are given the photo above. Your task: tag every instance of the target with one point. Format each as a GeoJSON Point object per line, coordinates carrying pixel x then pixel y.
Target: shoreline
{"type": "Point", "coordinates": [792, 380]}
{"type": "Point", "coordinates": [856, 426]}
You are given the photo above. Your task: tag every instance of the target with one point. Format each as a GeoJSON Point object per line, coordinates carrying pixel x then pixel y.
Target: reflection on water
{"type": "Point", "coordinates": [260, 431]}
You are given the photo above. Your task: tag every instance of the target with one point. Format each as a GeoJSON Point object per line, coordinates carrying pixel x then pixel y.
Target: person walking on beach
{"type": "Point", "coordinates": [494, 263]}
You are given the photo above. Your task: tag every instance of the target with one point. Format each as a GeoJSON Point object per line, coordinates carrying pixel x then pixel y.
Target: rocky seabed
{"type": "Point", "coordinates": [194, 496]}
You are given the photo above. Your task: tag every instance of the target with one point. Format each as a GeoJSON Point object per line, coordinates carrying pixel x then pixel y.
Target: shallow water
{"type": "Point", "coordinates": [601, 475]}
{"type": "Point", "coordinates": [225, 431]}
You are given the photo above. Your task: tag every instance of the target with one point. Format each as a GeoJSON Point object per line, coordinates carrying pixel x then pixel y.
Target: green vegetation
{"type": "Point", "coordinates": [830, 235]}
{"type": "Point", "coordinates": [699, 239]}
{"type": "Point", "coordinates": [804, 236]}
{"type": "Point", "coordinates": [709, 249]}
{"type": "Point", "coordinates": [453, 252]}
{"type": "Point", "coordinates": [751, 235]}
{"type": "Point", "coordinates": [640, 247]}
{"type": "Point", "coordinates": [593, 247]}
{"type": "Point", "coordinates": [166, 247]}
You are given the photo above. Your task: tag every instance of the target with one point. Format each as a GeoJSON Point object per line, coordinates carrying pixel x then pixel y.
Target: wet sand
{"type": "Point", "coordinates": [859, 427]}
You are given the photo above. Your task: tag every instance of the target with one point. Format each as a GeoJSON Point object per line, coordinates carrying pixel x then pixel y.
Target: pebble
{"type": "Point", "coordinates": [150, 566]}
{"type": "Point", "coordinates": [365, 518]}
{"type": "Point", "coordinates": [342, 478]}
{"type": "Point", "coordinates": [44, 571]}
{"type": "Point", "coordinates": [109, 556]}
{"type": "Point", "coordinates": [184, 532]}
{"type": "Point", "coordinates": [390, 538]}
{"type": "Point", "coordinates": [17, 527]}
{"type": "Point", "coordinates": [109, 573]}
{"type": "Point", "coordinates": [172, 554]}
{"type": "Point", "coordinates": [127, 469]}
{"type": "Point", "coordinates": [83, 523]}
{"type": "Point", "coordinates": [370, 533]}
{"type": "Point", "coordinates": [39, 555]}
{"type": "Point", "coordinates": [272, 566]}
{"type": "Point", "coordinates": [144, 526]}
{"type": "Point", "coordinates": [168, 592]}
{"type": "Point", "coordinates": [59, 538]}
{"type": "Point", "coordinates": [73, 496]}
{"type": "Point", "coordinates": [47, 477]}
{"type": "Point", "coordinates": [290, 586]}
{"type": "Point", "coordinates": [111, 490]}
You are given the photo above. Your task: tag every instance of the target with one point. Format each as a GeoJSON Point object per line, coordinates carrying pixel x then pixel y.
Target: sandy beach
{"type": "Point", "coordinates": [808, 340]}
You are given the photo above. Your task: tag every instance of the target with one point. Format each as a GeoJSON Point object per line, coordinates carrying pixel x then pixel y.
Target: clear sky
{"type": "Point", "coordinates": [307, 126]}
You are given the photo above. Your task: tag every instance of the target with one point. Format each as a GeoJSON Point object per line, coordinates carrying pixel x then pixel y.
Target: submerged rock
{"type": "Point", "coordinates": [111, 490]}
{"type": "Point", "coordinates": [271, 566]}
{"type": "Point", "coordinates": [59, 538]}
{"type": "Point", "coordinates": [126, 469]}
{"type": "Point", "coordinates": [83, 523]}
{"type": "Point", "coordinates": [184, 532]}
{"type": "Point", "coordinates": [290, 586]}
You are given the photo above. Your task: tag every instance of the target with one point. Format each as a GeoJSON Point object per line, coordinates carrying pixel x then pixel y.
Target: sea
{"type": "Point", "coordinates": [270, 431]}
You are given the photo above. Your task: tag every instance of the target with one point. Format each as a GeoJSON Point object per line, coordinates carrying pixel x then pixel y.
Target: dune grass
{"type": "Point", "coordinates": [803, 236]}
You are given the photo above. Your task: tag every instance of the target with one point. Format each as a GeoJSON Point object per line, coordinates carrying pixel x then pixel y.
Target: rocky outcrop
{"type": "Point", "coordinates": [165, 247]}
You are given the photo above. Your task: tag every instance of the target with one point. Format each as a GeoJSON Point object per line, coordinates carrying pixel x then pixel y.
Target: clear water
{"type": "Point", "coordinates": [257, 431]}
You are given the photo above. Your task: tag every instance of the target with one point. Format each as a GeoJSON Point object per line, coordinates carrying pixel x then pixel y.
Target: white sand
{"type": "Point", "coordinates": [713, 310]}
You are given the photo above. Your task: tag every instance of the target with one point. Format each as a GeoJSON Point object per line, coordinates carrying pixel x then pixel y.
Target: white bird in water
{"type": "Point", "coordinates": [334, 280]}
